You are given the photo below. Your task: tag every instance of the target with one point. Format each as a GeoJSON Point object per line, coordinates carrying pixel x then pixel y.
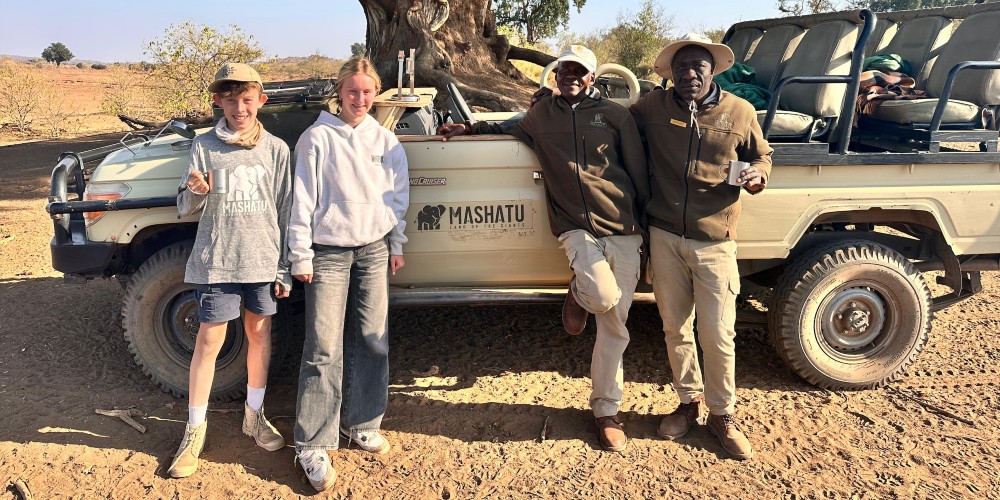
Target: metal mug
{"type": "Point", "coordinates": [218, 181]}
{"type": "Point", "coordinates": [736, 167]}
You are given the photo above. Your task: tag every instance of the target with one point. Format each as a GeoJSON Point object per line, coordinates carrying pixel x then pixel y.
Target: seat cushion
{"type": "Point", "coordinates": [922, 110]}
{"type": "Point", "coordinates": [787, 123]}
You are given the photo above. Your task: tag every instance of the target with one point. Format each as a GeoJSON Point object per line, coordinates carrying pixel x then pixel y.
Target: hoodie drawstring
{"type": "Point", "coordinates": [693, 108]}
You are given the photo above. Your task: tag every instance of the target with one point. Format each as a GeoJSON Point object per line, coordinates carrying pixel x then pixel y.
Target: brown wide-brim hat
{"type": "Point", "coordinates": [234, 72]}
{"type": "Point", "coordinates": [721, 54]}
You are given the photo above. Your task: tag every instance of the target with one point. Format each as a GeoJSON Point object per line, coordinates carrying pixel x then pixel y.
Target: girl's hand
{"type": "Point", "coordinates": [396, 262]}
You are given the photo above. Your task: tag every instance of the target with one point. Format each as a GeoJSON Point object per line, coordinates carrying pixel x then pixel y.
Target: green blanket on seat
{"type": "Point", "coordinates": [887, 62]}
{"type": "Point", "coordinates": [741, 81]}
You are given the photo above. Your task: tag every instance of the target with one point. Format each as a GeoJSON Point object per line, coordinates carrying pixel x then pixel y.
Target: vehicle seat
{"type": "Point", "coordinates": [742, 42]}
{"type": "Point", "coordinates": [919, 41]}
{"type": "Point", "coordinates": [883, 33]}
{"type": "Point", "coordinates": [975, 39]}
{"type": "Point", "coordinates": [824, 50]}
{"type": "Point", "coordinates": [773, 51]}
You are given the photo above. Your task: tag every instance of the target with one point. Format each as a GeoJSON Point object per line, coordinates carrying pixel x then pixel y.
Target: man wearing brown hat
{"type": "Point", "coordinates": [596, 184]}
{"type": "Point", "coordinates": [693, 130]}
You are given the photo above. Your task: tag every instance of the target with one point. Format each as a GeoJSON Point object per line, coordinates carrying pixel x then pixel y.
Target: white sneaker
{"type": "Point", "coordinates": [316, 464]}
{"type": "Point", "coordinates": [370, 440]}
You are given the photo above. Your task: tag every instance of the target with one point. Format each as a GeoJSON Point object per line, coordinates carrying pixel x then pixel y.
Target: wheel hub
{"type": "Point", "coordinates": [854, 318]}
{"type": "Point", "coordinates": [183, 320]}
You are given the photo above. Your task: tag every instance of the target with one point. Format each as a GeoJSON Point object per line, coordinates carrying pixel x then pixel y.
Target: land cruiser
{"type": "Point", "coordinates": [861, 208]}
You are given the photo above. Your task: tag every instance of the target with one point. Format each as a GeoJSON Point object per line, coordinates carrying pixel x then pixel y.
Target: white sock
{"type": "Point", "coordinates": [255, 397]}
{"type": "Point", "coordinates": [196, 414]}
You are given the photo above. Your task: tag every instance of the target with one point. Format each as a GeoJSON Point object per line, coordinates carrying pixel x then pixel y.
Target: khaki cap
{"type": "Point", "coordinates": [234, 72]}
{"type": "Point", "coordinates": [580, 55]}
{"type": "Point", "coordinates": [722, 54]}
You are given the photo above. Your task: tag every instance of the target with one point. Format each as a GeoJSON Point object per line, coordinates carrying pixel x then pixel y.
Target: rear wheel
{"type": "Point", "coordinates": [850, 315]}
{"type": "Point", "coordinates": [160, 319]}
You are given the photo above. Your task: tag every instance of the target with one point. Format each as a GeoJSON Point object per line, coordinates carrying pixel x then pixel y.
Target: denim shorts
{"type": "Point", "coordinates": [220, 302]}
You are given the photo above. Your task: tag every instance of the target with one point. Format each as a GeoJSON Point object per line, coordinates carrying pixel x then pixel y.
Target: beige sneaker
{"type": "Point", "coordinates": [316, 465]}
{"type": "Point", "coordinates": [370, 440]}
{"type": "Point", "coordinates": [732, 438]}
{"type": "Point", "coordinates": [186, 459]}
{"type": "Point", "coordinates": [256, 426]}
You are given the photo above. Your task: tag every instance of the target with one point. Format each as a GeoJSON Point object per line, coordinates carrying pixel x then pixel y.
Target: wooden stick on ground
{"type": "Point", "coordinates": [931, 407]}
{"type": "Point", "coordinates": [22, 489]}
{"type": "Point", "coordinates": [125, 416]}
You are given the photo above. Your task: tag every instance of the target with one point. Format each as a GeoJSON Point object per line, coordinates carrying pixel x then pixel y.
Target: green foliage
{"type": "Point", "coordinates": [357, 49]}
{"type": "Point", "coordinates": [98, 66]}
{"type": "Point", "coordinates": [81, 65]}
{"type": "Point", "coordinates": [534, 19]}
{"type": "Point", "coordinates": [715, 34]}
{"type": "Point", "coordinates": [186, 59]}
{"type": "Point", "coordinates": [57, 53]}
{"type": "Point", "coordinates": [639, 36]}
{"type": "Point", "coordinates": [889, 5]}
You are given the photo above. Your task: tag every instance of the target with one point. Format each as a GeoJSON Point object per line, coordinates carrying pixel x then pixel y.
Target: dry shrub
{"type": "Point", "coordinates": [22, 90]}
{"type": "Point", "coordinates": [129, 93]}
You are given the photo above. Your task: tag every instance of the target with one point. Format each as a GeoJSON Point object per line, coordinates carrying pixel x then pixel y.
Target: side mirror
{"type": "Point", "coordinates": [180, 128]}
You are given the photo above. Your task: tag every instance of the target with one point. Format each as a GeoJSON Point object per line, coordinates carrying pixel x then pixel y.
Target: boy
{"type": "Point", "coordinates": [239, 178]}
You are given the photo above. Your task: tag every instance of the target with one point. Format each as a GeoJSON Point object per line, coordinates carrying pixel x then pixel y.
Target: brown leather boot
{"type": "Point", "coordinates": [676, 424]}
{"type": "Point", "coordinates": [610, 433]}
{"type": "Point", "coordinates": [732, 438]}
{"type": "Point", "coordinates": [574, 317]}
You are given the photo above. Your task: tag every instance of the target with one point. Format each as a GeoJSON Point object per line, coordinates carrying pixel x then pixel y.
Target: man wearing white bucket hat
{"type": "Point", "coordinates": [596, 184]}
{"type": "Point", "coordinates": [693, 131]}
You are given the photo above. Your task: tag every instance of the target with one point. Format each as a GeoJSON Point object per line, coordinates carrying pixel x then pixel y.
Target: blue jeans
{"type": "Point", "coordinates": [344, 375]}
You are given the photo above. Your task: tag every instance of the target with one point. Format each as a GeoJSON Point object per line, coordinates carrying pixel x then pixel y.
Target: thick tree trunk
{"type": "Point", "coordinates": [456, 42]}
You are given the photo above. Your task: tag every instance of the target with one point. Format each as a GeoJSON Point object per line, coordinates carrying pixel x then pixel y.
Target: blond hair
{"type": "Point", "coordinates": [355, 66]}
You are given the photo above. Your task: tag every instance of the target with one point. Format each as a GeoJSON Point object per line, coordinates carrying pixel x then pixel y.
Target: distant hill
{"type": "Point", "coordinates": [39, 57]}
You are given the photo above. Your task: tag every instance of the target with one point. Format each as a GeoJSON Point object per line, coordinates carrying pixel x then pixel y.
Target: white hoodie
{"type": "Point", "coordinates": [351, 189]}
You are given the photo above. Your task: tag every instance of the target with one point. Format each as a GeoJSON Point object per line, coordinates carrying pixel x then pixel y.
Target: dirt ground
{"type": "Point", "coordinates": [473, 426]}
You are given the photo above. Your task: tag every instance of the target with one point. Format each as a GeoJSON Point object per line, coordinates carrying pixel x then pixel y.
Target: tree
{"type": "Point", "coordinates": [357, 49]}
{"type": "Point", "coordinates": [639, 36]}
{"type": "Point", "coordinates": [799, 7]}
{"type": "Point", "coordinates": [57, 53]}
{"type": "Point", "coordinates": [889, 5]}
{"type": "Point", "coordinates": [22, 90]}
{"type": "Point", "coordinates": [535, 19]}
{"type": "Point", "coordinates": [186, 59]}
{"type": "Point", "coordinates": [455, 42]}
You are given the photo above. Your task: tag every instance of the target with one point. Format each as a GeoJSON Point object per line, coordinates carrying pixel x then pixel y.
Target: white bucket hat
{"type": "Point", "coordinates": [721, 54]}
{"type": "Point", "coordinates": [580, 55]}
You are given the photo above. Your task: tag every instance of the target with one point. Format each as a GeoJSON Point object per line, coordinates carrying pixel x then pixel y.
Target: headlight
{"type": "Point", "coordinates": [103, 191]}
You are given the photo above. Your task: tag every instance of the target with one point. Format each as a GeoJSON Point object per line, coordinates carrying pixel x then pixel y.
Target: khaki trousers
{"type": "Point", "coordinates": [606, 270]}
{"type": "Point", "coordinates": [689, 276]}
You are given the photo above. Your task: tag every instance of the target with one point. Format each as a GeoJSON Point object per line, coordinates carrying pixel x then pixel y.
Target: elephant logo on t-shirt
{"type": "Point", "coordinates": [429, 218]}
{"type": "Point", "coordinates": [244, 183]}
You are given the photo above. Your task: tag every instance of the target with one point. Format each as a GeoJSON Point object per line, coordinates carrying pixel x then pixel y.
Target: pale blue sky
{"type": "Point", "coordinates": [111, 31]}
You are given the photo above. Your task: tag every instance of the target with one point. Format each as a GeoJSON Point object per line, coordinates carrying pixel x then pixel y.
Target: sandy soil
{"type": "Point", "coordinates": [473, 426]}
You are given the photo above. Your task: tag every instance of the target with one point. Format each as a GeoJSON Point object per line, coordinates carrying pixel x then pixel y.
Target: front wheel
{"type": "Point", "coordinates": [850, 315]}
{"type": "Point", "coordinates": [160, 319]}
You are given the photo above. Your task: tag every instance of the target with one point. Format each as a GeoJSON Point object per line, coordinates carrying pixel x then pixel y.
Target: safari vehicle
{"type": "Point", "coordinates": [852, 224]}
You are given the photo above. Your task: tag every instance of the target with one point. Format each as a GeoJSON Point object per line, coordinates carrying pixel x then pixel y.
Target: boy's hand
{"type": "Point", "coordinates": [196, 183]}
{"type": "Point", "coordinates": [396, 262]}
{"type": "Point", "coordinates": [451, 130]}
{"type": "Point", "coordinates": [280, 291]}
{"type": "Point", "coordinates": [305, 278]}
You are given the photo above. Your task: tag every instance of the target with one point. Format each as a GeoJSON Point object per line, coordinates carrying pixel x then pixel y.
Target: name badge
{"type": "Point", "coordinates": [678, 123]}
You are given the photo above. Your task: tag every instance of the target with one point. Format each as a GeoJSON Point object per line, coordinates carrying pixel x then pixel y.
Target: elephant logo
{"type": "Point", "coordinates": [244, 183]}
{"type": "Point", "coordinates": [429, 218]}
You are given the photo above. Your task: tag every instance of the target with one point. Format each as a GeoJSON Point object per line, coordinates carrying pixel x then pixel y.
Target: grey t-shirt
{"type": "Point", "coordinates": [241, 234]}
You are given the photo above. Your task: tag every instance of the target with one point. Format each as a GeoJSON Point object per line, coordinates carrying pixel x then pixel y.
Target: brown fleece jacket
{"type": "Point", "coordinates": [593, 162]}
{"type": "Point", "coordinates": [689, 194]}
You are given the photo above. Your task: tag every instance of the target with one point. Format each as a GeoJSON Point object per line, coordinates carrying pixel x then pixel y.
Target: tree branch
{"type": "Point", "coordinates": [530, 55]}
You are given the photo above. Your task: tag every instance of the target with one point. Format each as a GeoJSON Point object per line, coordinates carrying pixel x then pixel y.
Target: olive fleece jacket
{"type": "Point", "coordinates": [592, 160]}
{"type": "Point", "coordinates": [689, 194]}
